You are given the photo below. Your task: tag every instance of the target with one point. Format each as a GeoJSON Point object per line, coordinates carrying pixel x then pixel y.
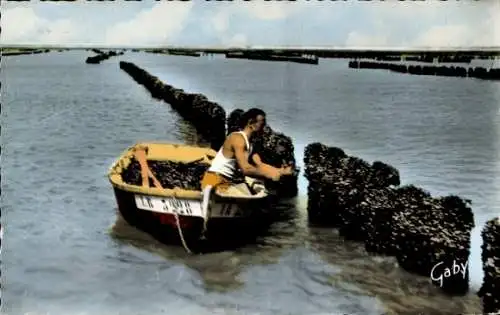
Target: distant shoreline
{"type": "Point", "coordinates": [22, 51]}
{"type": "Point", "coordinates": [434, 56]}
{"type": "Point", "coordinates": [321, 52]}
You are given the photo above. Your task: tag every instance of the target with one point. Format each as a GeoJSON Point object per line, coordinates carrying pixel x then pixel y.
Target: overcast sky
{"type": "Point", "coordinates": [207, 23]}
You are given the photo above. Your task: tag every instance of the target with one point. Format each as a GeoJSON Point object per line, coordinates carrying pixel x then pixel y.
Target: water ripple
{"type": "Point", "coordinates": [62, 129]}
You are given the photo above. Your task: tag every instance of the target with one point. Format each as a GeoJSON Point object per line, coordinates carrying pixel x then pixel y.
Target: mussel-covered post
{"type": "Point", "coordinates": [233, 120]}
{"type": "Point", "coordinates": [490, 257]}
{"type": "Point", "coordinates": [101, 56]}
{"type": "Point", "coordinates": [341, 187]}
{"type": "Point", "coordinates": [432, 237]}
{"type": "Point", "coordinates": [209, 118]}
{"type": "Point", "coordinates": [447, 71]}
{"type": "Point", "coordinates": [429, 236]}
{"type": "Point", "coordinates": [275, 149]}
{"type": "Point", "coordinates": [320, 164]}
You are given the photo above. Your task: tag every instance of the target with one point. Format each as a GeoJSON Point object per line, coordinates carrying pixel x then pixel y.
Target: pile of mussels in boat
{"type": "Point", "coordinates": [170, 174]}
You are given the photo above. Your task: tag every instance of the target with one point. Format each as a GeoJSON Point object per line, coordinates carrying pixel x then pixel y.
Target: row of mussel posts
{"type": "Point", "coordinates": [429, 236]}
{"type": "Point", "coordinates": [447, 71]}
{"type": "Point", "coordinates": [25, 52]}
{"type": "Point", "coordinates": [209, 119]}
{"type": "Point", "coordinates": [102, 55]}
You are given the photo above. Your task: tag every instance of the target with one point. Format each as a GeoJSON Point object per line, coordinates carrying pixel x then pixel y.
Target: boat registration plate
{"type": "Point", "coordinates": [169, 205]}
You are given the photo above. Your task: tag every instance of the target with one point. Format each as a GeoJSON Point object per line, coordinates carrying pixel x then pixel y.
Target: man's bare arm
{"type": "Point", "coordinates": [248, 169]}
{"type": "Point", "coordinates": [288, 170]}
{"type": "Point", "coordinates": [256, 159]}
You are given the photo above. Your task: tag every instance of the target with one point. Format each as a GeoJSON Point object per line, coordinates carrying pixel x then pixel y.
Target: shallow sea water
{"type": "Point", "coordinates": [67, 252]}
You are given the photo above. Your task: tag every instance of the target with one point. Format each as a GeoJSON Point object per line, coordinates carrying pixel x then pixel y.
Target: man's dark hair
{"type": "Point", "coordinates": [250, 116]}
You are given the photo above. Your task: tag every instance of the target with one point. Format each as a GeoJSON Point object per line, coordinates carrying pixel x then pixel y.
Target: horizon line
{"type": "Point", "coordinates": [263, 47]}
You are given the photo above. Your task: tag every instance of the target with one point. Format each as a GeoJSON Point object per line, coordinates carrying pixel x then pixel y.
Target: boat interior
{"type": "Point", "coordinates": [250, 189]}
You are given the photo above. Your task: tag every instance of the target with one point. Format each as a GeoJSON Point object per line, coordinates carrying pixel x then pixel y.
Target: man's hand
{"type": "Point", "coordinates": [288, 170]}
{"type": "Point", "coordinates": [275, 173]}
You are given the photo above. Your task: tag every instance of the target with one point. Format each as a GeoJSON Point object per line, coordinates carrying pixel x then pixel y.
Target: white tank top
{"type": "Point", "coordinates": [225, 166]}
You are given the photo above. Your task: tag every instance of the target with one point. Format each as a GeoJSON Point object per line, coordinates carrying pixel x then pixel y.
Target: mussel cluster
{"type": "Point", "coordinates": [378, 208]}
{"type": "Point", "coordinates": [275, 149]}
{"type": "Point", "coordinates": [170, 174]}
{"type": "Point", "coordinates": [338, 183]}
{"type": "Point", "coordinates": [432, 237]}
{"type": "Point", "coordinates": [490, 257]}
{"type": "Point", "coordinates": [366, 203]}
{"type": "Point", "coordinates": [209, 118]}
{"type": "Point", "coordinates": [233, 120]}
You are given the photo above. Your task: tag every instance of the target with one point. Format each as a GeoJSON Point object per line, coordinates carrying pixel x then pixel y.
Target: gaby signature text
{"type": "Point", "coordinates": [444, 273]}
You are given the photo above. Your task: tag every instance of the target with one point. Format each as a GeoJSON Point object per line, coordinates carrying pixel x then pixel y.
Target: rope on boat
{"type": "Point", "coordinates": [181, 235]}
{"type": "Point", "coordinates": [205, 221]}
{"type": "Point", "coordinates": [206, 213]}
{"type": "Point", "coordinates": [140, 154]}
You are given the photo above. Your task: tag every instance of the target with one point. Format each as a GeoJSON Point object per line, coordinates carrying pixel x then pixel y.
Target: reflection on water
{"type": "Point", "coordinates": [220, 270]}
{"type": "Point", "coordinates": [187, 132]}
{"type": "Point", "coordinates": [400, 291]}
{"type": "Point", "coordinates": [349, 269]}
{"type": "Point", "coordinates": [59, 260]}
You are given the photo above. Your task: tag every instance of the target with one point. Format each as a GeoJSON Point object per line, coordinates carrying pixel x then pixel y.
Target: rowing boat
{"type": "Point", "coordinates": [172, 214]}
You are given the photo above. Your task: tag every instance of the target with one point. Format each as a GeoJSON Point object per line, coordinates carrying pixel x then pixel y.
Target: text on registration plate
{"type": "Point", "coordinates": [168, 205]}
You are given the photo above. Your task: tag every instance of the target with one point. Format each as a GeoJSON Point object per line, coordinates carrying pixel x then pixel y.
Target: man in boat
{"type": "Point", "coordinates": [235, 153]}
